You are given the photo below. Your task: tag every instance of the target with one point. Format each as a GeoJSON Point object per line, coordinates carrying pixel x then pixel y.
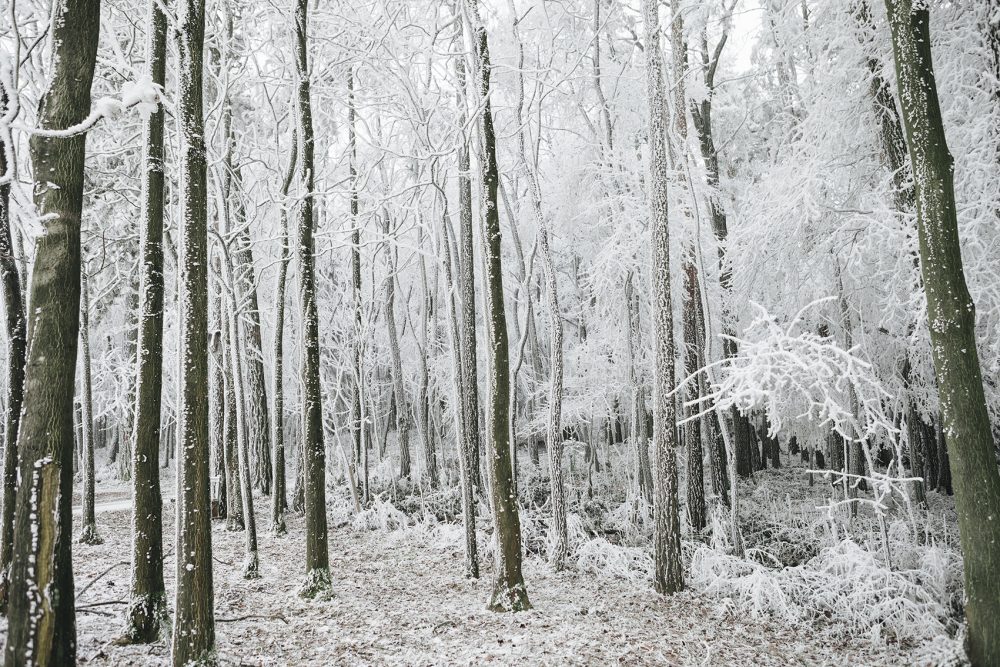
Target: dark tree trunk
{"type": "Point", "coordinates": [317, 582]}
{"type": "Point", "coordinates": [509, 592]}
{"type": "Point", "coordinates": [147, 606]}
{"type": "Point", "coordinates": [951, 312]}
{"type": "Point", "coordinates": [194, 624]}
{"type": "Point", "coordinates": [41, 614]}
{"type": "Point", "coordinates": [13, 299]}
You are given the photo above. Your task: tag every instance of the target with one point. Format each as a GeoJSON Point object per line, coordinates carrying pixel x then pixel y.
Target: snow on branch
{"type": "Point", "coordinates": [142, 95]}
{"type": "Point", "coordinates": [798, 377]}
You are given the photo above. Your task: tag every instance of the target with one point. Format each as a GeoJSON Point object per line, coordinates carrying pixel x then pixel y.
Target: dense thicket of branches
{"type": "Point", "coordinates": [384, 251]}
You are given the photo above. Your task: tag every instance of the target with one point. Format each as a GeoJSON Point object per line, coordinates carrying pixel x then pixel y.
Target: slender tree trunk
{"type": "Point", "coordinates": [509, 592]}
{"type": "Point", "coordinates": [357, 405]}
{"type": "Point", "coordinates": [217, 399]}
{"type": "Point", "coordinates": [13, 299]}
{"type": "Point", "coordinates": [41, 614]}
{"type": "Point", "coordinates": [467, 290]}
{"type": "Point", "coordinates": [279, 501]}
{"type": "Point", "coordinates": [668, 575]}
{"type": "Point", "coordinates": [194, 625]}
{"type": "Point", "coordinates": [396, 369]}
{"type": "Point", "coordinates": [464, 458]}
{"type": "Point", "coordinates": [423, 398]}
{"type": "Point", "coordinates": [951, 314]}
{"type": "Point", "coordinates": [559, 539]}
{"type": "Point", "coordinates": [317, 582]}
{"type": "Point", "coordinates": [248, 311]}
{"type": "Point", "coordinates": [251, 565]}
{"type": "Point", "coordinates": [88, 531]}
{"type": "Point", "coordinates": [230, 426]}
{"type": "Point", "coordinates": [147, 604]}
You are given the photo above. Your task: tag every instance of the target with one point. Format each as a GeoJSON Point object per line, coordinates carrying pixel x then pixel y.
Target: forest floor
{"type": "Point", "coordinates": [400, 598]}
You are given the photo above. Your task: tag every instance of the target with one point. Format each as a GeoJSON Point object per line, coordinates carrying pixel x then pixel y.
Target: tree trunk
{"type": "Point", "coordinates": [509, 592]}
{"type": "Point", "coordinates": [402, 421]}
{"type": "Point", "coordinates": [194, 624]}
{"type": "Point", "coordinates": [13, 299]}
{"type": "Point", "coordinates": [317, 582]}
{"type": "Point", "coordinates": [88, 531]}
{"type": "Point", "coordinates": [279, 501]}
{"type": "Point", "coordinates": [951, 314]}
{"type": "Point", "coordinates": [668, 575]}
{"type": "Point", "coordinates": [251, 565]}
{"type": "Point", "coordinates": [464, 458]}
{"type": "Point", "coordinates": [467, 291]}
{"type": "Point", "coordinates": [41, 614]}
{"type": "Point", "coordinates": [234, 489]}
{"type": "Point", "coordinates": [257, 419]}
{"type": "Point", "coordinates": [147, 604]}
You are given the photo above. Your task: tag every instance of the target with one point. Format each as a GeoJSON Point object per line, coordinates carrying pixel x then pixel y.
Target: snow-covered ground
{"type": "Point", "coordinates": [400, 598]}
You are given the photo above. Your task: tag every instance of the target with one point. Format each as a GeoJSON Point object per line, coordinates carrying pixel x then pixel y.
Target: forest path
{"type": "Point", "coordinates": [400, 598]}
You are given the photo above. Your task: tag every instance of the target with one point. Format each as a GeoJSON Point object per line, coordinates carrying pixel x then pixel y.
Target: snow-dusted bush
{"type": "Point", "coordinates": [380, 515]}
{"type": "Point", "coordinates": [600, 557]}
{"type": "Point", "coordinates": [844, 584]}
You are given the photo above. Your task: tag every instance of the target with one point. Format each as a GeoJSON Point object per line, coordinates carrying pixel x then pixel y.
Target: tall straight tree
{"type": "Point", "coordinates": [147, 603]}
{"type": "Point", "coordinates": [467, 289]}
{"type": "Point", "coordinates": [509, 592]}
{"type": "Point", "coordinates": [88, 533]}
{"type": "Point", "coordinates": [13, 306]}
{"type": "Point", "coordinates": [667, 573]}
{"type": "Point", "coordinates": [951, 316]}
{"type": "Point", "coordinates": [194, 626]}
{"type": "Point", "coordinates": [279, 502]}
{"type": "Point", "coordinates": [41, 614]}
{"type": "Point", "coordinates": [317, 582]}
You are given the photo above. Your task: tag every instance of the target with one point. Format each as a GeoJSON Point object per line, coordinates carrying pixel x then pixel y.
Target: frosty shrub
{"type": "Point", "coordinates": [844, 584]}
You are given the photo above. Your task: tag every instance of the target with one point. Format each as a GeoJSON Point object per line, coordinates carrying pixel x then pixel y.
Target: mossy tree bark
{"type": "Point", "coordinates": [194, 626]}
{"type": "Point", "coordinates": [147, 606]}
{"type": "Point", "coordinates": [951, 317]}
{"type": "Point", "coordinates": [41, 614]}
{"type": "Point", "coordinates": [509, 592]}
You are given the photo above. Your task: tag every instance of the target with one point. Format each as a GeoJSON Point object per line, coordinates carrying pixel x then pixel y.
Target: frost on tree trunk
{"type": "Point", "coordinates": [951, 318]}
{"type": "Point", "coordinates": [41, 615]}
{"type": "Point", "coordinates": [693, 322]}
{"type": "Point", "coordinates": [401, 413]}
{"type": "Point", "coordinates": [245, 285]}
{"type": "Point", "coordinates": [701, 114]}
{"type": "Point", "coordinates": [558, 538]}
{"type": "Point", "coordinates": [643, 473]}
{"type": "Point", "coordinates": [147, 604]}
{"type": "Point", "coordinates": [317, 583]}
{"type": "Point", "coordinates": [13, 305]}
{"type": "Point", "coordinates": [358, 425]}
{"type": "Point", "coordinates": [279, 502]}
{"type": "Point", "coordinates": [509, 592]}
{"type": "Point", "coordinates": [667, 574]}
{"type": "Point", "coordinates": [467, 291]}
{"type": "Point", "coordinates": [251, 566]}
{"type": "Point", "coordinates": [194, 624]}
{"type": "Point", "coordinates": [464, 458]}
{"type": "Point", "coordinates": [88, 531]}
{"type": "Point", "coordinates": [234, 489]}
{"type": "Point", "coordinates": [217, 398]}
